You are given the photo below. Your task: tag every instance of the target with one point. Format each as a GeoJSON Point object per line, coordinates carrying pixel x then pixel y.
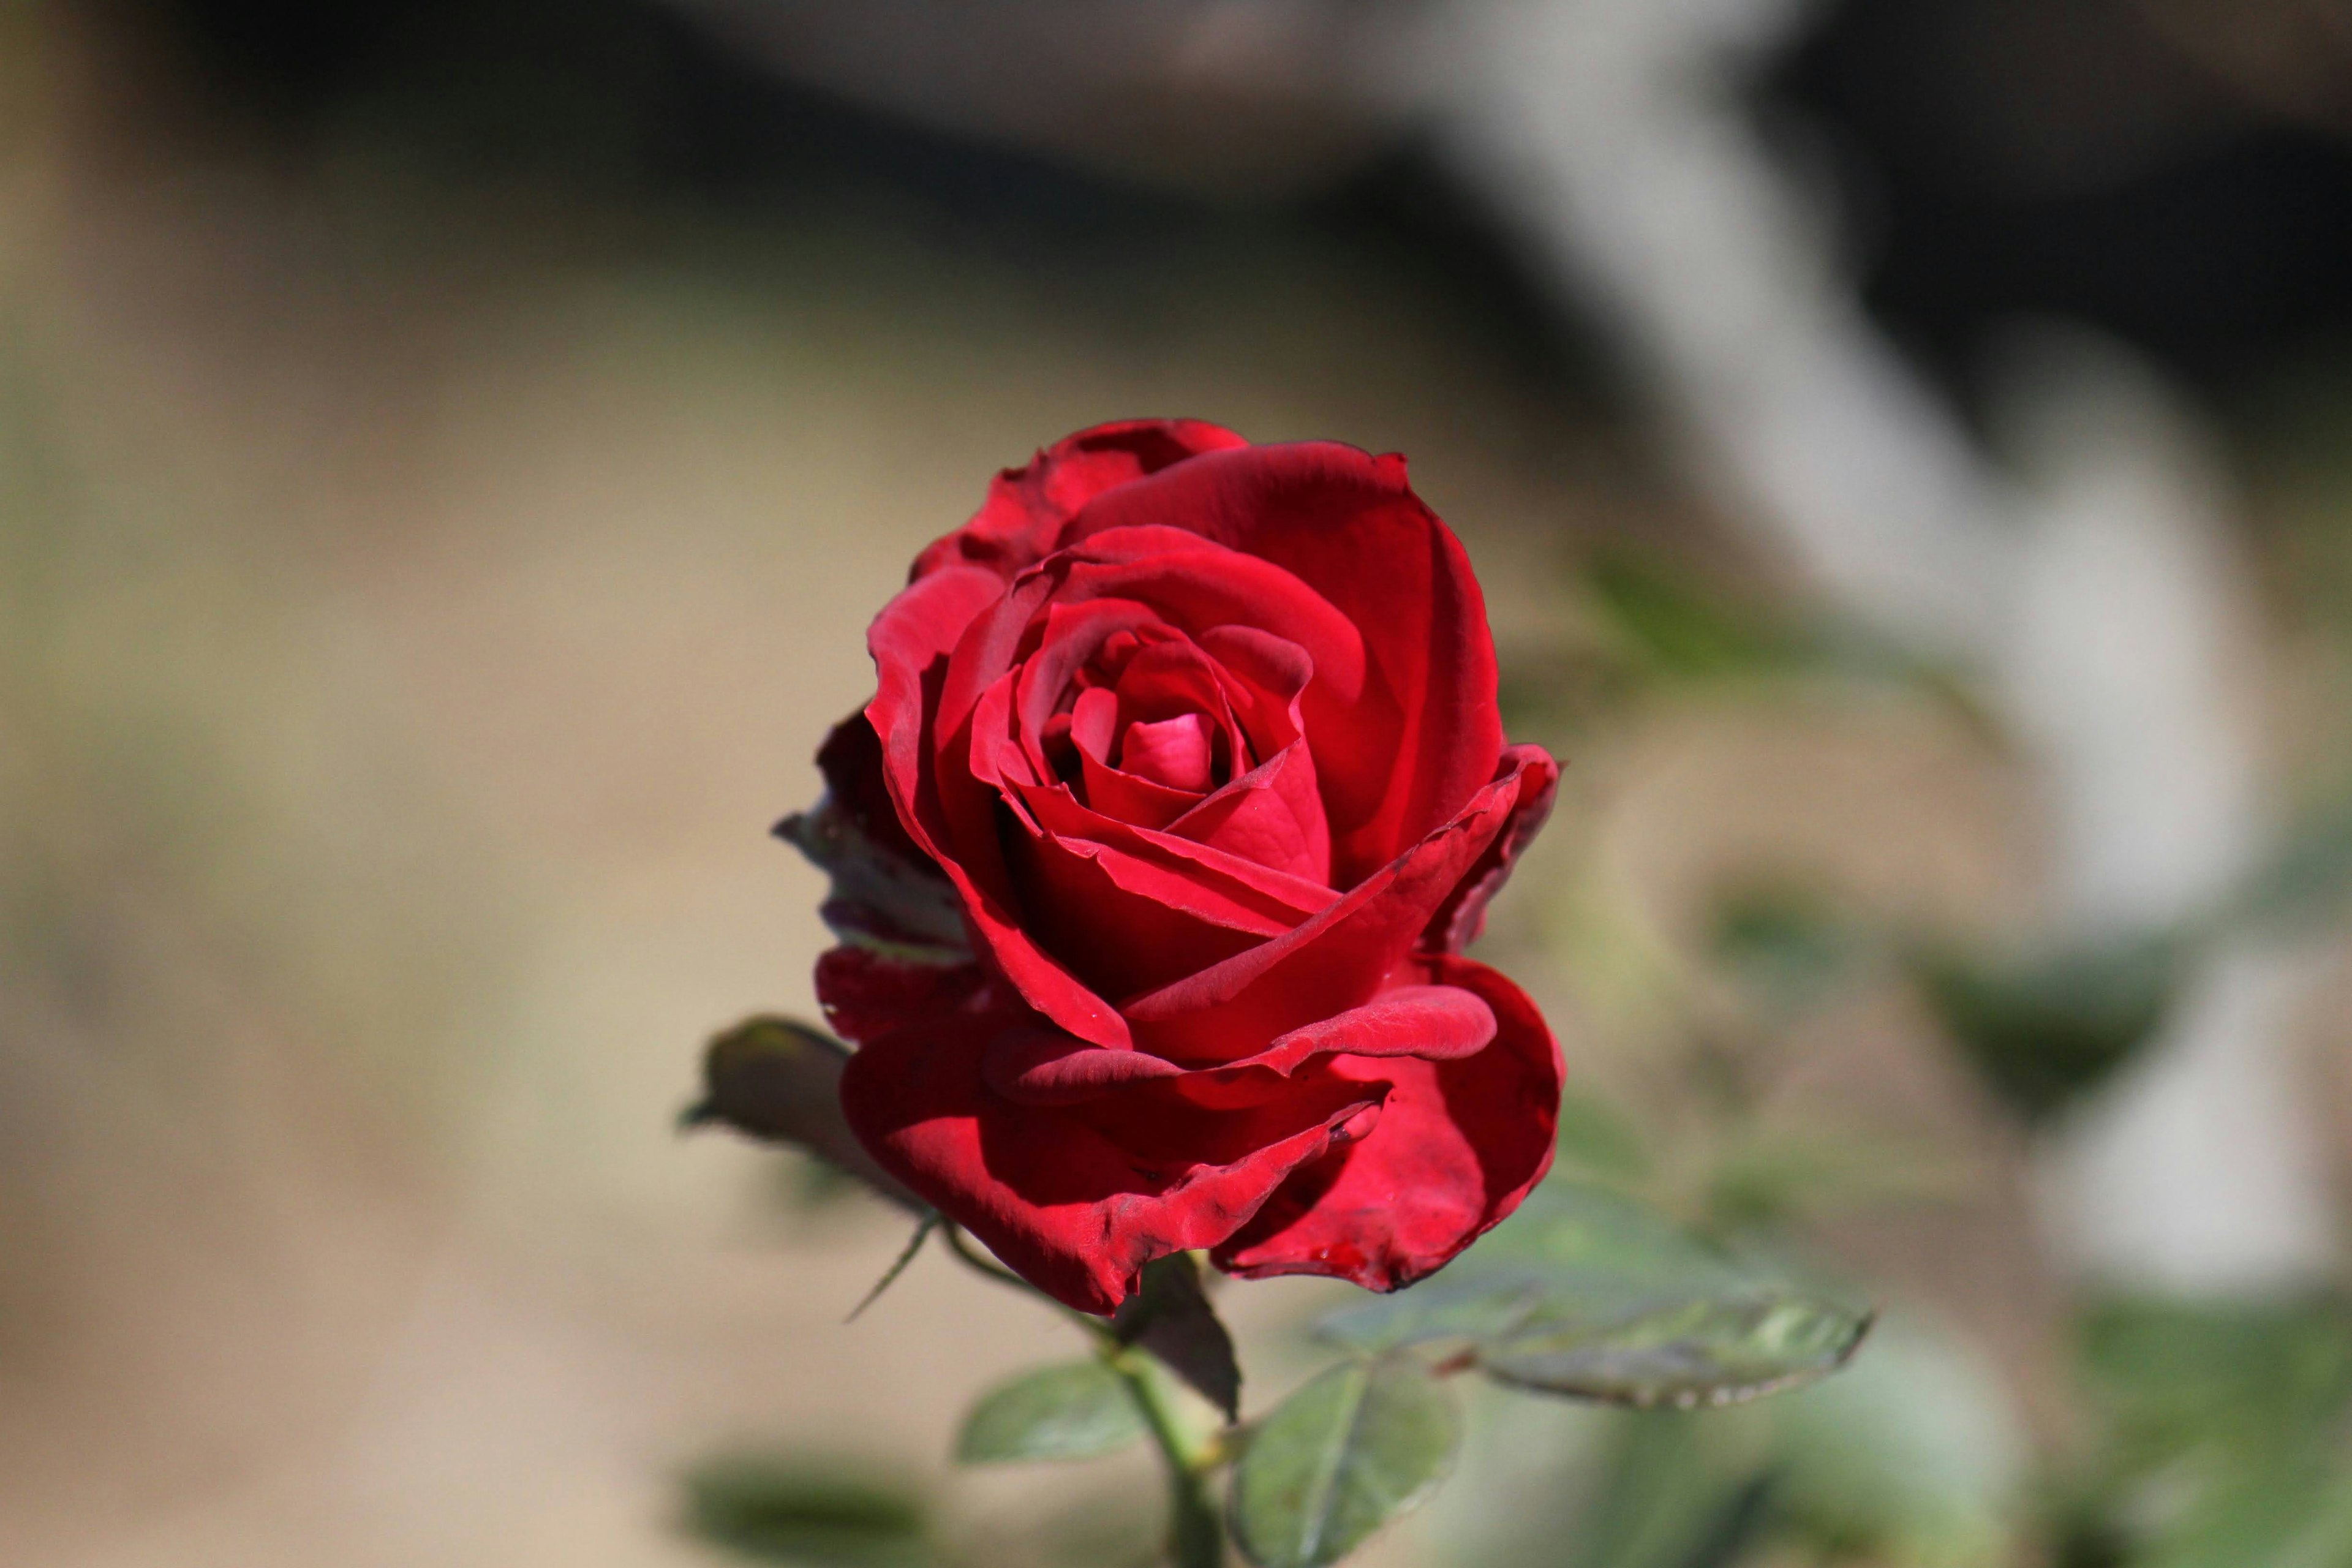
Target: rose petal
{"type": "Point", "coordinates": [1021, 522]}
{"type": "Point", "coordinates": [865, 995]}
{"type": "Point", "coordinates": [1279, 894]}
{"type": "Point", "coordinates": [1071, 637]}
{"type": "Point", "coordinates": [1046, 1067]}
{"type": "Point", "coordinates": [1271, 815]}
{"type": "Point", "coordinates": [1437, 1022]}
{"type": "Point", "coordinates": [1332, 962]}
{"type": "Point", "coordinates": [1123, 924]}
{"type": "Point", "coordinates": [1459, 1144]}
{"type": "Point", "coordinates": [1463, 916]}
{"type": "Point", "coordinates": [1173, 752]}
{"type": "Point", "coordinates": [1075, 1200]}
{"type": "Point", "coordinates": [1123, 797]}
{"type": "Point", "coordinates": [1401, 750]}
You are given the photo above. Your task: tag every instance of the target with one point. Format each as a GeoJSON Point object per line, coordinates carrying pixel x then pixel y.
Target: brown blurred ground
{"type": "Point", "coordinates": [419, 601]}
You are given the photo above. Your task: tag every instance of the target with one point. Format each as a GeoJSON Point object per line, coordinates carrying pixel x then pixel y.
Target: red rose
{"type": "Point", "coordinates": [1156, 848]}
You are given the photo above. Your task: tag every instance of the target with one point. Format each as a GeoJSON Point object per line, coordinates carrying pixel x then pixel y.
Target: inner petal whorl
{"type": "Point", "coordinates": [1179, 752]}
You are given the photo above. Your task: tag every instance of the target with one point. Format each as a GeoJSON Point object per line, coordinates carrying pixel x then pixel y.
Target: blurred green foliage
{"type": "Point", "coordinates": [2225, 1433]}
{"type": "Point", "coordinates": [2046, 1028]}
{"type": "Point", "coordinates": [811, 1513]}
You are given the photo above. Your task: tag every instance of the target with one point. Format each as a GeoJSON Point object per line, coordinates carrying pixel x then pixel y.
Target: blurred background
{"type": "Point", "coordinates": [449, 453]}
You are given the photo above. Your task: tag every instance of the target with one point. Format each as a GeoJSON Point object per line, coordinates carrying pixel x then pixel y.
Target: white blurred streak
{"type": "Point", "coordinates": [1606, 130]}
{"type": "Point", "coordinates": [2129, 616]}
{"type": "Point", "coordinates": [2199, 1172]}
{"type": "Point", "coordinates": [2099, 603]}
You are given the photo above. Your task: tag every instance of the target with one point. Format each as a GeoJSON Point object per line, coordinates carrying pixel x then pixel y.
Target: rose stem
{"type": "Point", "coordinates": [1196, 1534]}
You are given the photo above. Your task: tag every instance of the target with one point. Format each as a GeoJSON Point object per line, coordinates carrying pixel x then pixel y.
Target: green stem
{"type": "Point", "coordinates": [1196, 1534]}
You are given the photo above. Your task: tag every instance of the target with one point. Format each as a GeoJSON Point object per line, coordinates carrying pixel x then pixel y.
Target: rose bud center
{"type": "Point", "coordinates": [1176, 751]}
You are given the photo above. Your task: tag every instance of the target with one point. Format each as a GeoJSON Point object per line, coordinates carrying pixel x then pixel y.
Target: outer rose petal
{"type": "Point", "coordinates": [1457, 1145]}
{"type": "Point", "coordinates": [1076, 1207]}
{"type": "Point", "coordinates": [866, 995]}
{"type": "Point", "coordinates": [1463, 916]}
{"type": "Point", "coordinates": [1021, 522]}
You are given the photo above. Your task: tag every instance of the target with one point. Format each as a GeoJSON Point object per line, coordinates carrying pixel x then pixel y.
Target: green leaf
{"type": "Point", "coordinates": [772, 1509]}
{"type": "Point", "coordinates": [778, 1081]}
{"type": "Point", "coordinates": [1588, 1293]}
{"type": "Point", "coordinates": [2044, 1031]}
{"type": "Point", "coordinates": [1471, 1307]}
{"type": "Point", "coordinates": [1079, 1410]}
{"type": "Point", "coordinates": [1171, 1318]}
{"type": "Point", "coordinates": [1354, 1448]}
{"type": "Point", "coordinates": [1571, 1243]}
{"type": "Point", "coordinates": [1704, 1351]}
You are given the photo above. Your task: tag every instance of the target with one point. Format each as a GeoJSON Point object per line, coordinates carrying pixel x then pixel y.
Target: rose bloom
{"type": "Point", "coordinates": [1156, 852]}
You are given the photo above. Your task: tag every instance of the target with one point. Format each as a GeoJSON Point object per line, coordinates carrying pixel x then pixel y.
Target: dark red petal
{"type": "Point", "coordinates": [1463, 916]}
{"type": "Point", "coordinates": [1437, 1022]}
{"type": "Point", "coordinates": [911, 641]}
{"type": "Point", "coordinates": [1265, 676]}
{"type": "Point", "coordinates": [953, 609]}
{"type": "Point", "coordinates": [1123, 797]}
{"type": "Point", "coordinates": [1458, 1145]}
{"type": "Point", "coordinates": [1173, 753]}
{"type": "Point", "coordinates": [1275, 893]}
{"type": "Point", "coordinates": [1072, 636]}
{"type": "Point", "coordinates": [1076, 1200]}
{"type": "Point", "coordinates": [1402, 754]}
{"type": "Point", "coordinates": [865, 995]}
{"type": "Point", "coordinates": [1046, 1067]}
{"type": "Point", "coordinates": [1124, 924]}
{"type": "Point", "coordinates": [1021, 522]}
{"type": "Point", "coordinates": [1198, 587]}
{"type": "Point", "coordinates": [1338, 960]}
{"type": "Point", "coordinates": [1271, 815]}
{"type": "Point", "coordinates": [850, 763]}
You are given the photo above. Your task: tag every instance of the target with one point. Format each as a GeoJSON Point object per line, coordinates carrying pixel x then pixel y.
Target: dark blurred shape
{"type": "Point", "coordinates": [620, 98]}
{"type": "Point", "coordinates": [2073, 158]}
{"type": "Point", "coordinates": [640, 100]}
{"type": "Point", "coordinates": [1783, 940]}
{"type": "Point", "coordinates": [1256, 99]}
{"type": "Point", "coordinates": [814, 1514]}
{"type": "Point", "coordinates": [2046, 1030]}
{"type": "Point", "coordinates": [780, 1081]}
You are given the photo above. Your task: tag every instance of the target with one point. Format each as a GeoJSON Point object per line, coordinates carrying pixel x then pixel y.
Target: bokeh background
{"type": "Point", "coordinates": [449, 453]}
